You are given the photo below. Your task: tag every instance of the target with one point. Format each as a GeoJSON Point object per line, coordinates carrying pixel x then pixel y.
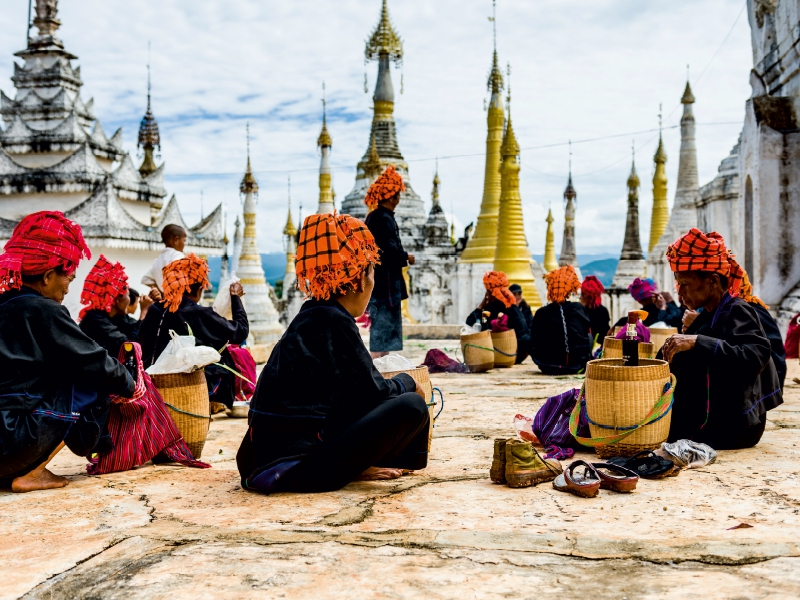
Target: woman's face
{"type": "Point", "coordinates": [695, 290]}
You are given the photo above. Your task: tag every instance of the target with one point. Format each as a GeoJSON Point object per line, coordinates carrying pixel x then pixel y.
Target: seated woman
{"type": "Point", "coordinates": [55, 380]}
{"type": "Point", "coordinates": [723, 361]}
{"type": "Point", "coordinates": [184, 282]}
{"type": "Point", "coordinates": [500, 299]}
{"type": "Point", "coordinates": [660, 307]}
{"type": "Point", "coordinates": [560, 340]}
{"type": "Point", "coordinates": [322, 415]}
{"type": "Point", "coordinates": [107, 296]}
{"type": "Point", "coordinates": [591, 298]}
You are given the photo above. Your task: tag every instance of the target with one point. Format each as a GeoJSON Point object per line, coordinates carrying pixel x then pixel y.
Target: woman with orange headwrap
{"type": "Point", "coordinates": [322, 415]}
{"type": "Point", "coordinates": [184, 281]}
{"type": "Point", "coordinates": [560, 340]}
{"type": "Point", "coordinates": [55, 380]}
{"type": "Point", "coordinates": [386, 329]}
{"type": "Point", "coordinates": [500, 300]}
{"type": "Point", "coordinates": [727, 380]}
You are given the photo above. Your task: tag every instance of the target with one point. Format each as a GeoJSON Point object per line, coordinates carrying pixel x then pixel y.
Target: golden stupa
{"type": "Point", "coordinates": [550, 262]}
{"type": "Point", "coordinates": [660, 215]}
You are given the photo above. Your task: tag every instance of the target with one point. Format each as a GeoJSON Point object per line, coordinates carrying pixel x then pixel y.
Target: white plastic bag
{"type": "Point", "coordinates": [222, 303]}
{"type": "Point", "coordinates": [393, 362]}
{"type": "Point", "coordinates": [182, 356]}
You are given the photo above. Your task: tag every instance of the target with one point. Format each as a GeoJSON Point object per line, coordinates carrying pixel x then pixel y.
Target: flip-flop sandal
{"type": "Point", "coordinates": [585, 484]}
{"type": "Point", "coordinates": [646, 464]}
{"type": "Point", "coordinates": [616, 478]}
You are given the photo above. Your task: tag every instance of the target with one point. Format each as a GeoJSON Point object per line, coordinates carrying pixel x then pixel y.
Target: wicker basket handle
{"type": "Point", "coordinates": [659, 410]}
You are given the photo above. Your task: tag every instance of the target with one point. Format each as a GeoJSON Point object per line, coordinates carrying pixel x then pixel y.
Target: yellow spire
{"type": "Point", "coordinates": [660, 215]}
{"type": "Point", "coordinates": [324, 142]}
{"type": "Point", "coordinates": [384, 40]}
{"type": "Point", "coordinates": [482, 245]}
{"type": "Point", "coordinates": [324, 138]}
{"type": "Point", "coordinates": [372, 166]}
{"type": "Point", "coordinates": [512, 255]}
{"type": "Point", "coordinates": [453, 233]}
{"type": "Point", "coordinates": [550, 262]}
{"type": "Point", "coordinates": [290, 228]}
{"type": "Point", "coordinates": [249, 183]}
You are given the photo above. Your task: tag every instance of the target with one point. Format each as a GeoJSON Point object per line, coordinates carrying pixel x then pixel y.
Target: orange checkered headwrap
{"type": "Point", "coordinates": [561, 283]}
{"type": "Point", "coordinates": [698, 251]}
{"type": "Point", "coordinates": [104, 284]}
{"type": "Point", "coordinates": [333, 252]}
{"type": "Point", "coordinates": [179, 275]}
{"type": "Point", "coordinates": [384, 187]}
{"type": "Point", "coordinates": [40, 242]}
{"type": "Point", "coordinates": [496, 283]}
{"type": "Point", "coordinates": [747, 292]}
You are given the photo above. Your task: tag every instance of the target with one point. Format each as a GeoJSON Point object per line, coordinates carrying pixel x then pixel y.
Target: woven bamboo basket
{"type": "Point", "coordinates": [612, 348]}
{"type": "Point", "coordinates": [421, 376]}
{"type": "Point", "coordinates": [478, 351]}
{"type": "Point", "coordinates": [186, 397]}
{"type": "Point", "coordinates": [619, 397]}
{"type": "Point", "coordinates": [659, 335]}
{"type": "Point", "coordinates": [505, 348]}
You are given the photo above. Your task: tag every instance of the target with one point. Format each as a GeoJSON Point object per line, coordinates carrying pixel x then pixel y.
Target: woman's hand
{"type": "Point", "coordinates": [678, 343]}
{"type": "Point", "coordinates": [237, 289]}
{"type": "Point", "coordinates": [155, 295]}
{"type": "Point", "coordinates": [411, 259]}
{"type": "Point", "coordinates": [688, 318]}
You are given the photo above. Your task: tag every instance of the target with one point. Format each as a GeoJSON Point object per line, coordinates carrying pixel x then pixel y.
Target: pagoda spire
{"type": "Point", "coordinates": [435, 190]}
{"type": "Point", "coordinates": [325, 143]}
{"type": "Point", "coordinates": [660, 215]}
{"type": "Point", "coordinates": [550, 262]}
{"type": "Point", "coordinates": [149, 137]}
{"type": "Point", "coordinates": [482, 246]}
{"type": "Point", "coordinates": [512, 255]}
{"type": "Point", "coordinates": [568, 253]}
{"type": "Point", "coordinates": [631, 261]}
{"type": "Point", "coordinates": [290, 243]}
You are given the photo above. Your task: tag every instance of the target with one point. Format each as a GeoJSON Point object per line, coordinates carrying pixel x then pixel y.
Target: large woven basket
{"type": "Point", "coordinates": [659, 335]}
{"type": "Point", "coordinates": [505, 348]}
{"type": "Point", "coordinates": [478, 351]}
{"type": "Point", "coordinates": [420, 375]}
{"type": "Point", "coordinates": [618, 398]}
{"type": "Point", "coordinates": [186, 397]}
{"type": "Point", "coordinates": [612, 348]}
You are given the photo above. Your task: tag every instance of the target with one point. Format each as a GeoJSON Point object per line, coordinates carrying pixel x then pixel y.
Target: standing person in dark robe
{"type": "Point", "coordinates": [500, 300]}
{"type": "Point", "coordinates": [658, 308]}
{"type": "Point", "coordinates": [560, 340]}
{"type": "Point", "coordinates": [592, 297]}
{"type": "Point", "coordinates": [180, 311]}
{"type": "Point", "coordinates": [322, 415]}
{"type": "Point", "coordinates": [723, 361]}
{"type": "Point", "coordinates": [522, 304]}
{"type": "Point", "coordinates": [54, 380]}
{"type": "Point", "coordinates": [385, 307]}
{"type": "Point", "coordinates": [107, 298]}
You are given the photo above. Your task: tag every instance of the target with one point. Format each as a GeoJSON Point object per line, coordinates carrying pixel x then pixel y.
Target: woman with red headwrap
{"type": "Point", "coordinates": [591, 297]}
{"type": "Point", "coordinates": [322, 415]}
{"type": "Point", "coordinates": [500, 299]}
{"type": "Point", "coordinates": [55, 380]}
{"type": "Point", "coordinates": [723, 362]}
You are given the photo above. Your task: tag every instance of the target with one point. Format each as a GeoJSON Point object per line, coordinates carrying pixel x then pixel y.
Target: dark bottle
{"type": "Point", "coordinates": [130, 360]}
{"type": "Point", "coordinates": [630, 345]}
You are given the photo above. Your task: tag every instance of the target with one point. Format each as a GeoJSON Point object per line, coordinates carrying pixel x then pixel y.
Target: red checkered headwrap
{"type": "Point", "coordinates": [561, 283]}
{"type": "Point", "coordinates": [384, 187]}
{"type": "Point", "coordinates": [698, 251]}
{"type": "Point", "coordinates": [180, 275]}
{"type": "Point", "coordinates": [592, 289]}
{"type": "Point", "coordinates": [40, 242]}
{"type": "Point", "coordinates": [496, 283]}
{"type": "Point", "coordinates": [333, 252]}
{"type": "Point", "coordinates": [104, 284]}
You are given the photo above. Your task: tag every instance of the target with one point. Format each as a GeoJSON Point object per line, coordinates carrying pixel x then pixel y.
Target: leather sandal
{"type": "Point", "coordinates": [616, 478]}
{"type": "Point", "coordinates": [646, 464]}
{"type": "Point", "coordinates": [585, 484]}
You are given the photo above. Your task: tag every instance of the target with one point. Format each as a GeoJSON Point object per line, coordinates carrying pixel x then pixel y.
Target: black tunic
{"type": "Point", "coordinates": [516, 320]}
{"type": "Point", "coordinates": [599, 322]}
{"type": "Point", "coordinates": [44, 356]}
{"type": "Point", "coordinates": [773, 334]}
{"type": "Point", "coordinates": [390, 286]}
{"type": "Point", "coordinates": [733, 355]}
{"type": "Point", "coordinates": [319, 379]}
{"type": "Point", "coordinates": [527, 314]}
{"type": "Point", "coordinates": [548, 348]}
{"type": "Point", "coordinates": [110, 332]}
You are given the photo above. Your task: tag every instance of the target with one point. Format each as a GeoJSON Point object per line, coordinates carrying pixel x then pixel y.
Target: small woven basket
{"type": "Point", "coordinates": [421, 376]}
{"type": "Point", "coordinates": [659, 335]}
{"type": "Point", "coordinates": [505, 348]}
{"type": "Point", "coordinates": [612, 348]}
{"type": "Point", "coordinates": [186, 397]}
{"type": "Point", "coordinates": [618, 398]}
{"type": "Point", "coordinates": [478, 351]}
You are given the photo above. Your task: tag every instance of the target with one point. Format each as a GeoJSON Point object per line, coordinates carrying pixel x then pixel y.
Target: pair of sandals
{"type": "Point", "coordinates": [647, 464]}
{"type": "Point", "coordinates": [586, 479]}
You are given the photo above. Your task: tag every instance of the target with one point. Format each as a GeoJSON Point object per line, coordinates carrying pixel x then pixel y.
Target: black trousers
{"type": "Point", "coordinates": [394, 435]}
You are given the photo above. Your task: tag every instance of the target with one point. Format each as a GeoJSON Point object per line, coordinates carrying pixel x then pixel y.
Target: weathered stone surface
{"type": "Point", "coordinates": [445, 532]}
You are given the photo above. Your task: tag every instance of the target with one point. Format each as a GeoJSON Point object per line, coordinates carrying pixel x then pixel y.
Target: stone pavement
{"type": "Point", "coordinates": [446, 532]}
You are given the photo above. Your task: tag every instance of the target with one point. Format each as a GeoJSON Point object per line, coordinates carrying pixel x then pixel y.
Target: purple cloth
{"type": "Point", "coordinates": [641, 289]}
{"type": "Point", "coordinates": [642, 332]}
{"type": "Point", "coordinates": [551, 425]}
{"type": "Point", "coordinates": [438, 362]}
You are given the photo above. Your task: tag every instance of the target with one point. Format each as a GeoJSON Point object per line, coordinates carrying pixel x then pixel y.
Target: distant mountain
{"type": "Point", "coordinates": [274, 265]}
{"type": "Point", "coordinates": [603, 269]}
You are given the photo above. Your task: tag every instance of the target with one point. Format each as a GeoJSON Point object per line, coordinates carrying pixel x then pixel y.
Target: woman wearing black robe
{"type": "Point", "coordinates": [500, 299]}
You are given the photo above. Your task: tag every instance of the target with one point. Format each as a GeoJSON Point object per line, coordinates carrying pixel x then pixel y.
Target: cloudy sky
{"type": "Point", "coordinates": [581, 70]}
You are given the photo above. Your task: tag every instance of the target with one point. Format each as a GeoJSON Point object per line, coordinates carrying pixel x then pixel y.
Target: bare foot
{"type": "Point", "coordinates": [40, 481]}
{"type": "Point", "coordinates": [379, 474]}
